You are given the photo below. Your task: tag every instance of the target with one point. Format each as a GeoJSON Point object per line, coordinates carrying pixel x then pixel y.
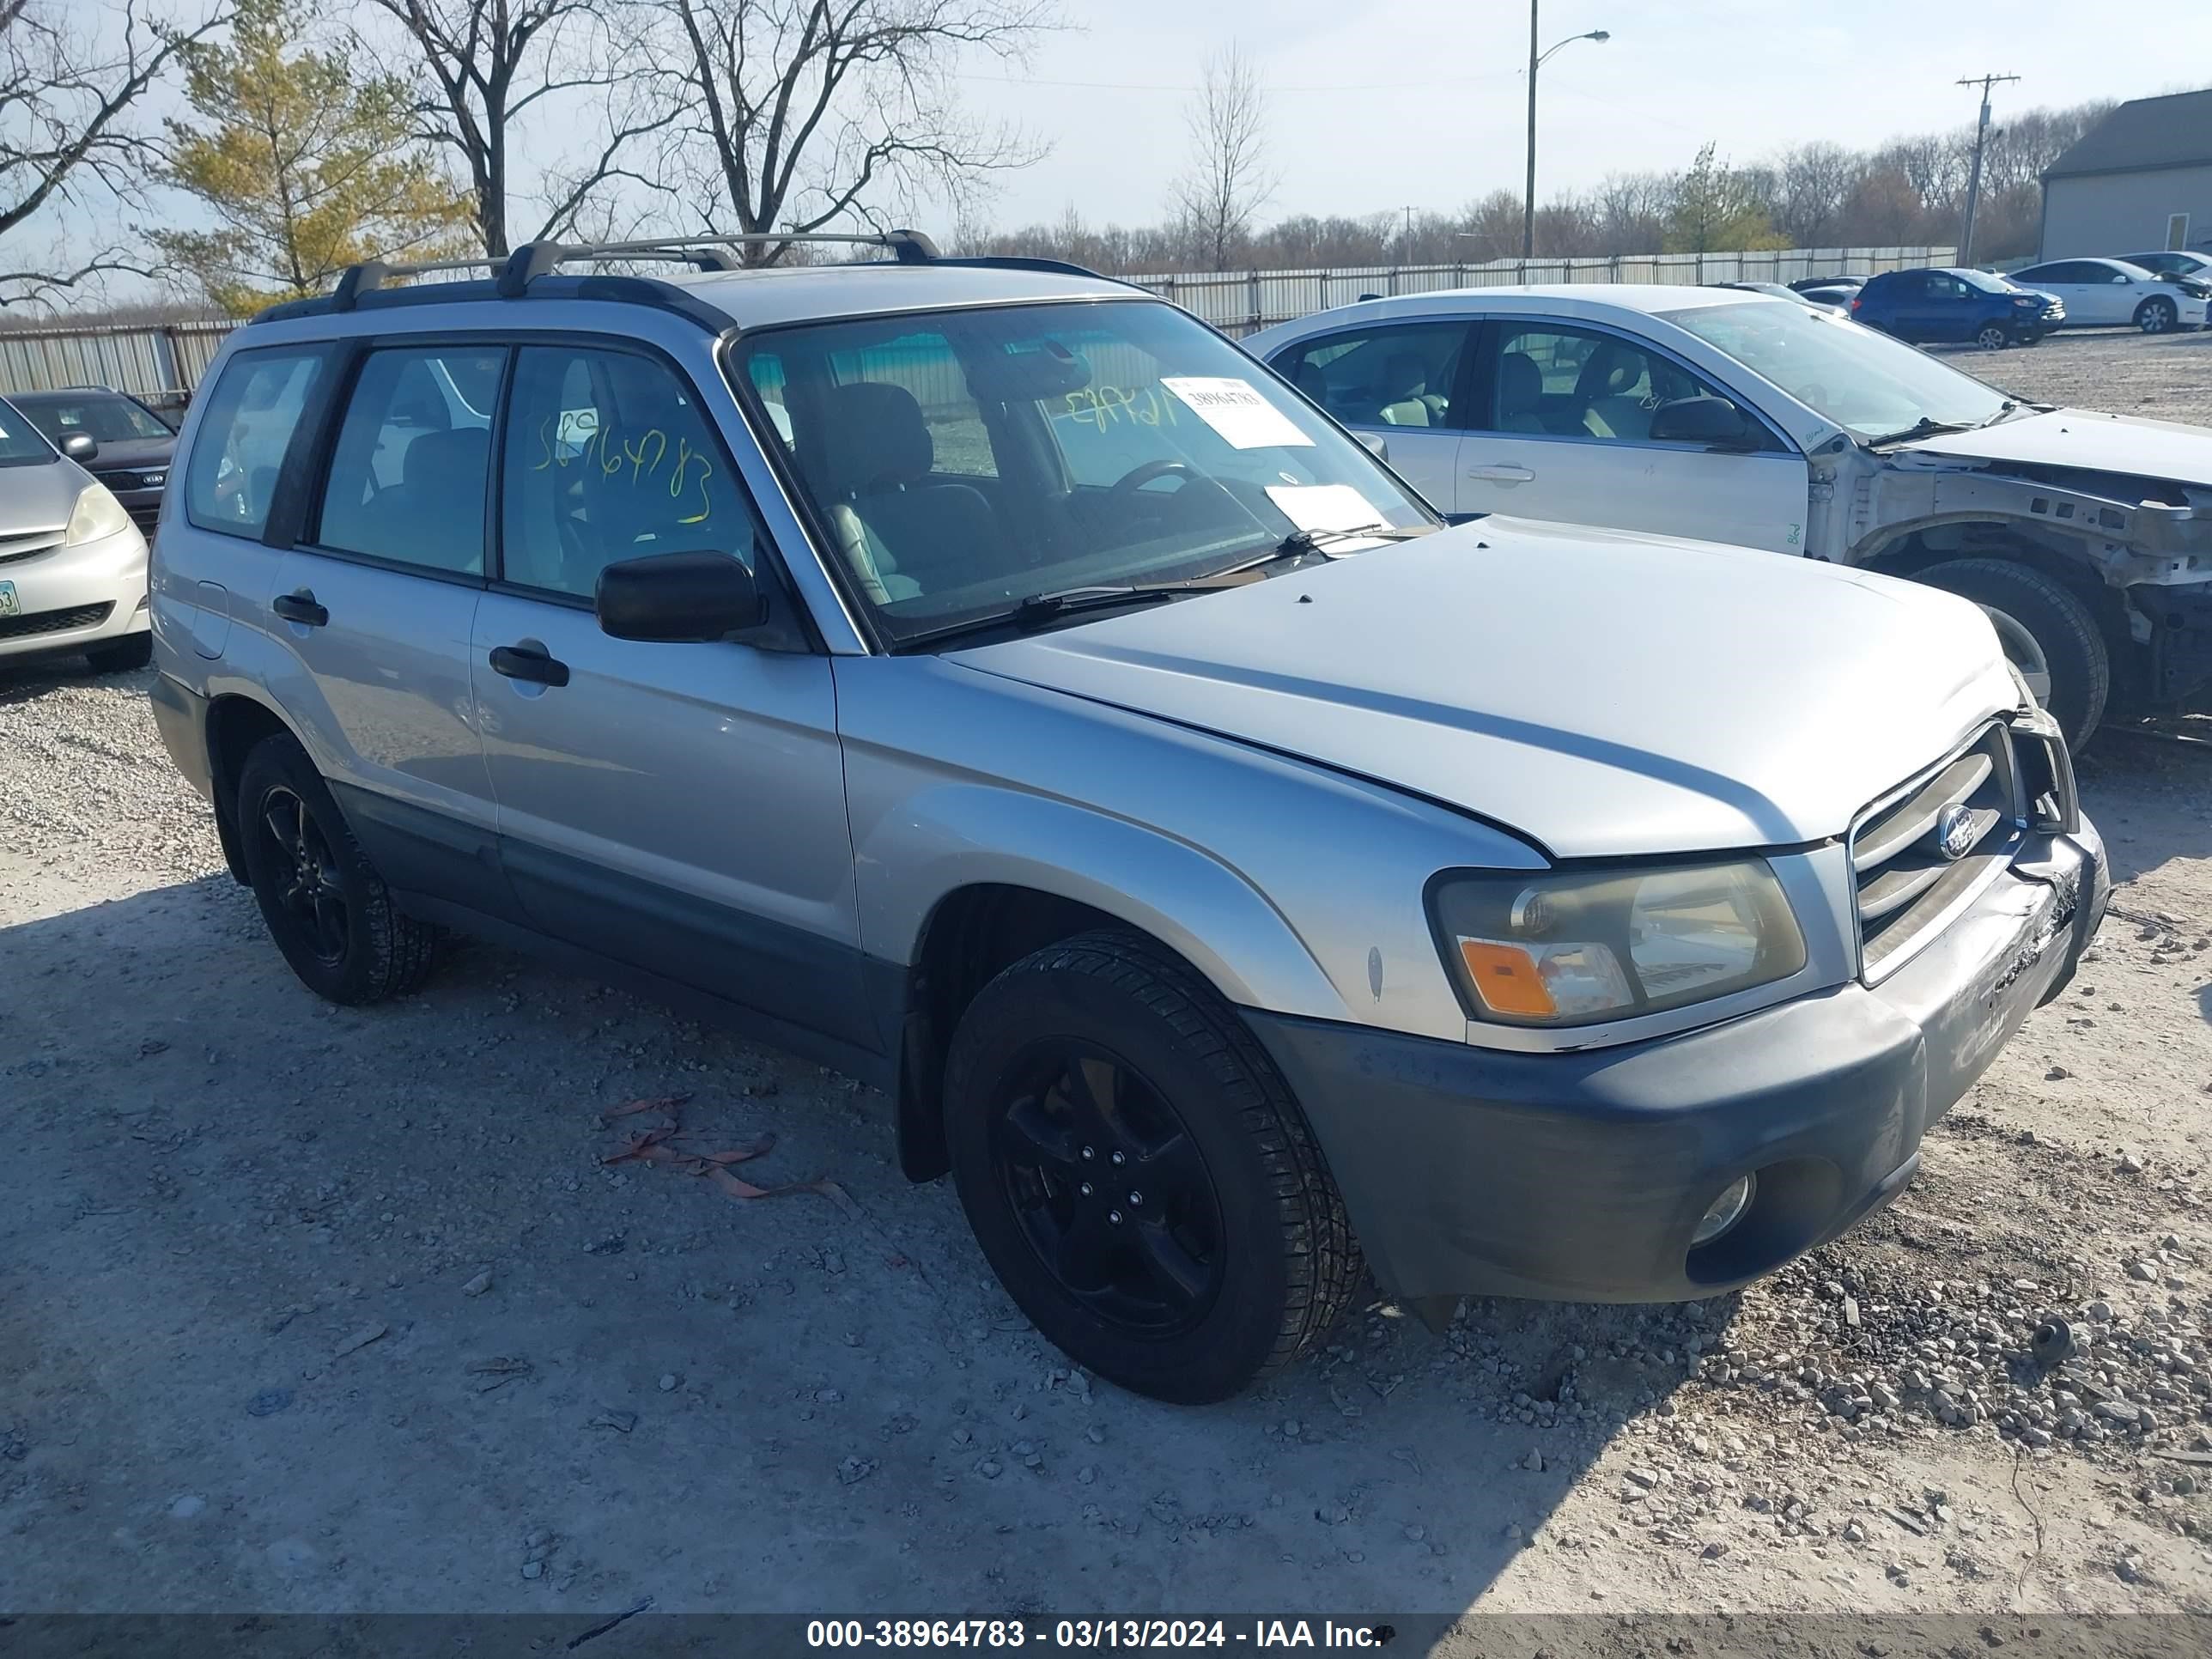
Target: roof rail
{"type": "Point", "coordinates": [515, 272]}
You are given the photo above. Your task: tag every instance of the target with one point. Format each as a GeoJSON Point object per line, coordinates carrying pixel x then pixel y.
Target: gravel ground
{"type": "Point", "coordinates": [2165, 377]}
{"type": "Point", "coordinates": [311, 1310]}
{"type": "Point", "coordinates": [322, 1310]}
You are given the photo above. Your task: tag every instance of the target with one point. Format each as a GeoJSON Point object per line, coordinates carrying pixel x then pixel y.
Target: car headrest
{"type": "Point", "coordinates": [871, 434]}
{"type": "Point", "coordinates": [1520, 383]}
{"type": "Point", "coordinates": [1405, 374]}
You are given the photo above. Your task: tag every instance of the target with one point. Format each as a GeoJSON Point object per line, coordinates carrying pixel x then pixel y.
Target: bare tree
{"type": "Point", "coordinates": [800, 113]}
{"type": "Point", "coordinates": [1813, 183]}
{"type": "Point", "coordinates": [68, 89]}
{"type": "Point", "coordinates": [1228, 182]}
{"type": "Point", "coordinates": [482, 65]}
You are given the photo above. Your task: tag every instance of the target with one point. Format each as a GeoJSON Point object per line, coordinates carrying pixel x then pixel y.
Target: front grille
{"type": "Point", "coordinates": [29, 547]}
{"type": "Point", "coordinates": [1907, 877]}
{"type": "Point", "coordinates": [146, 517]}
{"type": "Point", "coordinates": [53, 621]}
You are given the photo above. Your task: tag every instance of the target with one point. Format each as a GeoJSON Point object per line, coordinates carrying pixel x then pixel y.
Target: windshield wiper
{"type": "Point", "coordinates": [1301, 542]}
{"type": "Point", "coordinates": [1040, 608]}
{"type": "Point", "coordinates": [1925, 426]}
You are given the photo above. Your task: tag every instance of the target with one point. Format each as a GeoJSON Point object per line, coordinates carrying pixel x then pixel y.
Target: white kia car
{"type": "Point", "coordinates": [1728, 417]}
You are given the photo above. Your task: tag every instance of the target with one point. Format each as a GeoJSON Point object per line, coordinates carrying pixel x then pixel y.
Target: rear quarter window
{"type": "Point", "coordinates": [239, 447]}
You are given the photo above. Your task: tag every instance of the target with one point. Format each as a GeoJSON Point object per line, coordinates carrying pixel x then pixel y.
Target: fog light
{"type": "Point", "coordinates": [1726, 1210]}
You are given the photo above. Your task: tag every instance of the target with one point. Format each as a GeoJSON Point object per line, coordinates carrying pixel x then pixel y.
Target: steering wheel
{"type": "Point", "coordinates": [1139, 476]}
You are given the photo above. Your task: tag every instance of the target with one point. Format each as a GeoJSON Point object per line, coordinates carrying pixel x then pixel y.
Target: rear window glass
{"type": "Point", "coordinates": [239, 447]}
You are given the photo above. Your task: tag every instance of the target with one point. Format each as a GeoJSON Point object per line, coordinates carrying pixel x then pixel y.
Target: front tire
{"type": "Point", "coordinates": [327, 907]}
{"type": "Point", "coordinates": [1138, 1175]}
{"type": "Point", "coordinates": [2047, 633]}
{"type": "Point", "coordinates": [1993, 336]}
{"type": "Point", "coordinates": [2156, 316]}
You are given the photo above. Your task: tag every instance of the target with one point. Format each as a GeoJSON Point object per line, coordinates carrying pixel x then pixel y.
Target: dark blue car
{"type": "Point", "coordinates": [1945, 304]}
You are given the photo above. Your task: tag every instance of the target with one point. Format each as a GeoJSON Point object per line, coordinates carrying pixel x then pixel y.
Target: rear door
{"type": "Point", "coordinates": [372, 610]}
{"type": "Point", "coordinates": [1404, 382]}
{"type": "Point", "coordinates": [212, 569]}
{"type": "Point", "coordinates": [1565, 411]}
{"type": "Point", "coordinates": [679, 807]}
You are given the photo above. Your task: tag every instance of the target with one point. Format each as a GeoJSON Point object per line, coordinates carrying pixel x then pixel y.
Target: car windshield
{"type": "Point", "coordinates": [103, 417]}
{"type": "Point", "coordinates": [21, 446]}
{"type": "Point", "coordinates": [1988, 282]}
{"type": "Point", "coordinates": [1865, 382]}
{"type": "Point", "coordinates": [959, 462]}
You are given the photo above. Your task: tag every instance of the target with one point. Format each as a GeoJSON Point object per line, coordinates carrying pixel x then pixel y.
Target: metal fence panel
{"type": "Point", "coordinates": [164, 363]}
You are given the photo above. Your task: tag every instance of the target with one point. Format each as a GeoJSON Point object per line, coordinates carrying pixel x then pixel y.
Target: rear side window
{"type": "Point", "coordinates": [239, 447]}
{"type": "Point", "coordinates": [1399, 375]}
{"type": "Point", "coordinates": [412, 461]}
{"type": "Point", "coordinates": [609, 456]}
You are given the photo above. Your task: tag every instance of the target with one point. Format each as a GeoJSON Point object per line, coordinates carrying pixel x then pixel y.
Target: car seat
{"type": "Point", "coordinates": [901, 530]}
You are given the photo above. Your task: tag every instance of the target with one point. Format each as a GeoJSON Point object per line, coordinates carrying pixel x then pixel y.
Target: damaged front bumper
{"type": "Point", "coordinates": [1584, 1177]}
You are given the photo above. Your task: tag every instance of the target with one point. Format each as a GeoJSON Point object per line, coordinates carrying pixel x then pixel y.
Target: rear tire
{"type": "Point", "coordinates": [327, 907]}
{"type": "Point", "coordinates": [2156, 316]}
{"type": "Point", "coordinates": [2045, 630]}
{"type": "Point", "coordinates": [1138, 1175]}
{"type": "Point", "coordinates": [120, 656]}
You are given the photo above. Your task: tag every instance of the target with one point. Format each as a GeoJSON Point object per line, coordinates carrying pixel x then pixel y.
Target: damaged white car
{"type": "Point", "coordinates": [1726, 416]}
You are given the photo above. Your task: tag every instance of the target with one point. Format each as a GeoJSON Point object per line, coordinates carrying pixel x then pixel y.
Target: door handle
{"type": "Point", "coordinates": [1501, 474]}
{"type": "Point", "coordinates": [301, 607]}
{"type": "Point", "coordinates": [520, 662]}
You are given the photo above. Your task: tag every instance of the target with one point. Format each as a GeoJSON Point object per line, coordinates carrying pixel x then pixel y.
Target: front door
{"type": "Point", "coordinates": [373, 614]}
{"type": "Point", "coordinates": [1403, 382]}
{"type": "Point", "coordinates": [1565, 415]}
{"type": "Point", "coordinates": [679, 807]}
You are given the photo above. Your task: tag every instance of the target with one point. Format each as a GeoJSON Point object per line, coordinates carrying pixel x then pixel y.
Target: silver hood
{"type": "Point", "coordinates": [2078, 438]}
{"type": "Point", "coordinates": [1600, 692]}
{"type": "Point", "coordinates": [37, 497]}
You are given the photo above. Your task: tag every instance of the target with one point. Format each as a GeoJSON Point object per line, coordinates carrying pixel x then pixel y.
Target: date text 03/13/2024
{"type": "Point", "coordinates": [1083, 1633]}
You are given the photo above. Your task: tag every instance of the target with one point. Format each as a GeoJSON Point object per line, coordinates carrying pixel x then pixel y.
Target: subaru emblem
{"type": "Point", "coordinates": [1954, 832]}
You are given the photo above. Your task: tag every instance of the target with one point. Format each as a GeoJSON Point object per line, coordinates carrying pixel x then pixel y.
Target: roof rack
{"type": "Point", "coordinates": [515, 272]}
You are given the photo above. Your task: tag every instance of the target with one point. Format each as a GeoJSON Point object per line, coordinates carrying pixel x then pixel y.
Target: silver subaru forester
{"type": "Point", "coordinates": [980, 677]}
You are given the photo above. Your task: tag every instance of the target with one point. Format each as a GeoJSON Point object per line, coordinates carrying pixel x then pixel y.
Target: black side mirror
{"type": "Point", "coordinates": [677, 597]}
{"type": "Point", "coordinates": [79, 446]}
{"type": "Point", "coordinates": [1713, 421]}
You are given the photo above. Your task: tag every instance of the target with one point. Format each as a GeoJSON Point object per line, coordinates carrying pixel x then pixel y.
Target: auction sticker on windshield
{"type": "Point", "coordinates": [1235, 409]}
{"type": "Point", "coordinates": [1327, 507]}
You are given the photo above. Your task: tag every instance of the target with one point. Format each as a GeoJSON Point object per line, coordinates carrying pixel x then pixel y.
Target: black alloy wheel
{"type": "Point", "coordinates": [1110, 1190]}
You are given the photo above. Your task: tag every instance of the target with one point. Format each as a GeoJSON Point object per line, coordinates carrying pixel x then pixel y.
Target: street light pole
{"type": "Point", "coordinates": [1535, 62]}
{"type": "Point", "coordinates": [1528, 191]}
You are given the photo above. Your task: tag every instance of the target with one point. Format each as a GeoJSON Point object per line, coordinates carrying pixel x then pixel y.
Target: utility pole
{"type": "Point", "coordinates": [1528, 191]}
{"type": "Point", "coordinates": [1974, 175]}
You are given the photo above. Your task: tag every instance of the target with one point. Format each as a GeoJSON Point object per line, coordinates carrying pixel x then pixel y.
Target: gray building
{"type": "Point", "coordinates": [2141, 179]}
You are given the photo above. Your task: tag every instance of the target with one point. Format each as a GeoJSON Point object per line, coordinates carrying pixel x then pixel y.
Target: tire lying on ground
{"type": "Point", "coordinates": [2047, 633]}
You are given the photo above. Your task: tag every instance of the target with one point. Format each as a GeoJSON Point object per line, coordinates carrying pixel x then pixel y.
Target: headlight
{"type": "Point", "coordinates": [1576, 948]}
{"type": "Point", "coordinates": [2027, 300]}
{"type": "Point", "coordinates": [97, 513]}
